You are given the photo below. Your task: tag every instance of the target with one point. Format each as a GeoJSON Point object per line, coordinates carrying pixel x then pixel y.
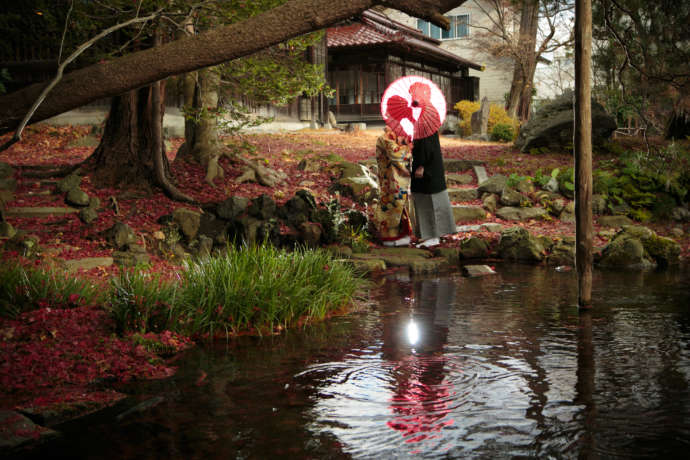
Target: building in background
{"type": "Point", "coordinates": [372, 50]}
{"type": "Point", "coordinates": [468, 22]}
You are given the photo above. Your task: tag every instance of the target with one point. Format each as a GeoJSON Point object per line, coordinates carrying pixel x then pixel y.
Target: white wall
{"type": "Point", "coordinates": [494, 81]}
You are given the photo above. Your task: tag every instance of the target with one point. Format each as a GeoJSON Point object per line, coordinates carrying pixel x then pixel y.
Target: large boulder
{"type": "Point", "coordinates": [358, 181]}
{"type": "Point", "coordinates": [639, 247]}
{"type": "Point", "coordinates": [552, 126]}
{"type": "Point", "coordinates": [517, 243]}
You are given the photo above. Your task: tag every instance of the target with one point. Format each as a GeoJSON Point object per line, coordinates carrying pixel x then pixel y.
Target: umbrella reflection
{"type": "Point", "coordinates": [421, 400]}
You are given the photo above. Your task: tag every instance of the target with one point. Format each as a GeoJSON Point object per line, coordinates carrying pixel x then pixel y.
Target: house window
{"type": "Point", "coordinates": [429, 29]}
{"type": "Point", "coordinates": [459, 28]}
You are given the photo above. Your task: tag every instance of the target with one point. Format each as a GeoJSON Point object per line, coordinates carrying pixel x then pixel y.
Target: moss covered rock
{"type": "Point", "coordinates": [518, 244]}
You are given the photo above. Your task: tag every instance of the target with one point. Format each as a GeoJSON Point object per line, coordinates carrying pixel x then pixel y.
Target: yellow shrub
{"type": "Point", "coordinates": [497, 116]}
{"type": "Point", "coordinates": [465, 110]}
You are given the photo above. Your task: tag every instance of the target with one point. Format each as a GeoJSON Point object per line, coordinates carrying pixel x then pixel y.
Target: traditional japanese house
{"type": "Point", "coordinates": [369, 52]}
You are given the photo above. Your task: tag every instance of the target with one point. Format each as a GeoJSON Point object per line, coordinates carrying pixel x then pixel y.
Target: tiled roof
{"type": "Point", "coordinates": [358, 35]}
{"type": "Point", "coordinates": [377, 29]}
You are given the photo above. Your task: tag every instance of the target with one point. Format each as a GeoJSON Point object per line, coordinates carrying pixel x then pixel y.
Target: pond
{"type": "Point", "coordinates": [447, 367]}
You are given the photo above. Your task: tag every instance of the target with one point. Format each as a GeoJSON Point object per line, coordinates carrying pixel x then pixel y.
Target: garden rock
{"type": "Point", "coordinates": [68, 183]}
{"type": "Point", "coordinates": [562, 253]}
{"type": "Point", "coordinates": [24, 243]}
{"type": "Point", "coordinates": [480, 171]}
{"type": "Point", "coordinates": [205, 246]}
{"type": "Point", "coordinates": [614, 221]}
{"type": "Point", "coordinates": [459, 179]}
{"type": "Point", "coordinates": [552, 185]}
{"type": "Point", "coordinates": [517, 243]}
{"type": "Point", "coordinates": [263, 207]}
{"type": "Point", "coordinates": [490, 202]}
{"type": "Point", "coordinates": [552, 126]}
{"type": "Point", "coordinates": [521, 214]}
{"type": "Point", "coordinates": [212, 227]}
{"type": "Point", "coordinates": [468, 213]}
{"type": "Point", "coordinates": [462, 194]}
{"type": "Point", "coordinates": [310, 165]}
{"type": "Point", "coordinates": [492, 227]}
{"type": "Point", "coordinates": [452, 255]}
{"type": "Point", "coordinates": [87, 263]}
{"type": "Point", "coordinates": [7, 230]}
{"type": "Point", "coordinates": [474, 248]}
{"type": "Point", "coordinates": [310, 234]}
{"type": "Point", "coordinates": [133, 255]}
{"type": "Point", "coordinates": [299, 208]}
{"type": "Point", "coordinates": [358, 181]}
{"type": "Point", "coordinates": [455, 165]}
{"type": "Point", "coordinates": [77, 197]}
{"type": "Point", "coordinates": [188, 221]}
{"type": "Point", "coordinates": [525, 187]}
{"type": "Point", "coordinates": [680, 214]}
{"type": "Point", "coordinates": [120, 235]}
{"type": "Point", "coordinates": [511, 197]}
{"type": "Point", "coordinates": [232, 207]}
{"type": "Point", "coordinates": [474, 271]}
{"type": "Point", "coordinates": [88, 215]}
{"type": "Point", "coordinates": [17, 429]}
{"type": "Point", "coordinates": [6, 170]}
{"type": "Point", "coordinates": [640, 247]}
{"type": "Point", "coordinates": [480, 118]}
{"type": "Point", "coordinates": [494, 184]}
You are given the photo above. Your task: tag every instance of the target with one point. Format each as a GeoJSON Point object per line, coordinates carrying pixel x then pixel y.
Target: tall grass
{"type": "Point", "coordinates": [141, 302]}
{"type": "Point", "coordinates": [24, 289]}
{"type": "Point", "coordinates": [262, 286]}
{"type": "Point", "coordinates": [255, 288]}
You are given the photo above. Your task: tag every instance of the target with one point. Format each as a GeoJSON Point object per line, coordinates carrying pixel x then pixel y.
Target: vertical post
{"type": "Point", "coordinates": [583, 151]}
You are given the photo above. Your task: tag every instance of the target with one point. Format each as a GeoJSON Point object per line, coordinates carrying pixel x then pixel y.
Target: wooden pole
{"type": "Point", "coordinates": [583, 151]}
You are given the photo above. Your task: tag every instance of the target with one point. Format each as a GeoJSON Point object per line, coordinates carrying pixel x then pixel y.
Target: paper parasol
{"type": "Point", "coordinates": [413, 107]}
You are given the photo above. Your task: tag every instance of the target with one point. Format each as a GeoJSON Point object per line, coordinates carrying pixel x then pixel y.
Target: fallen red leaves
{"type": "Point", "coordinates": [52, 355]}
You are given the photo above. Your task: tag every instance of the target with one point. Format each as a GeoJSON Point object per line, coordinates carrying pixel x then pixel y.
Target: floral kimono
{"type": "Point", "coordinates": [390, 216]}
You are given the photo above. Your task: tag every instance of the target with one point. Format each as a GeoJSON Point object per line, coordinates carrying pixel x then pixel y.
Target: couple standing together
{"type": "Point", "coordinates": [426, 180]}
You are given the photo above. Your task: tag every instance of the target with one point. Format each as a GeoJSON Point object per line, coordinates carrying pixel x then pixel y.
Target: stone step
{"type": "Point", "coordinates": [480, 171]}
{"type": "Point", "coordinates": [459, 179]}
{"type": "Point", "coordinates": [463, 194]}
{"type": "Point", "coordinates": [39, 211]}
{"type": "Point", "coordinates": [468, 213]}
{"type": "Point", "coordinates": [473, 271]}
{"type": "Point", "coordinates": [87, 263]}
{"type": "Point", "coordinates": [459, 165]}
{"type": "Point", "coordinates": [520, 214]}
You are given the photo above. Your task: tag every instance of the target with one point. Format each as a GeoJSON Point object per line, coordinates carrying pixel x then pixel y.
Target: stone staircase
{"type": "Point", "coordinates": [455, 175]}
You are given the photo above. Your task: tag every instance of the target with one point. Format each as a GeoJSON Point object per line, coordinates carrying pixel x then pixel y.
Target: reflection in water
{"type": "Point", "coordinates": [421, 399]}
{"type": "Point", "coordinates": [499, 367]}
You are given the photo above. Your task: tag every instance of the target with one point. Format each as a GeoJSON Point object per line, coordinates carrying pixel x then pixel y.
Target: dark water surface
{"type": "Point", "coordinates": [450, 367]}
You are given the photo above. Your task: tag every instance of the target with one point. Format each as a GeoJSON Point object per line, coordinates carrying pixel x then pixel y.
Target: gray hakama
{"type": "Point", "coordinates": [433, 215]}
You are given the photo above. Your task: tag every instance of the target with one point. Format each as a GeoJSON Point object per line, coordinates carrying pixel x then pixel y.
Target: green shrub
{"type": "Point", "coordinates": [502, 133]}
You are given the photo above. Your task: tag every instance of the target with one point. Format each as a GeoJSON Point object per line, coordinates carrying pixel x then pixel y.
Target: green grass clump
{"type": "Point", "coordinates": [255, 288]}
{"type": "Point", "coordinates": [262, 286]}
{"type": "Point", "coordinates": [24, 289]}
{"type": "Point", "coordinates": [141, 301]}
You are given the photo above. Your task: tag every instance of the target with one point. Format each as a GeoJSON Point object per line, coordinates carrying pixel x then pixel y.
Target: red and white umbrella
{"type": "Point", "coordinates": [413, 107]}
